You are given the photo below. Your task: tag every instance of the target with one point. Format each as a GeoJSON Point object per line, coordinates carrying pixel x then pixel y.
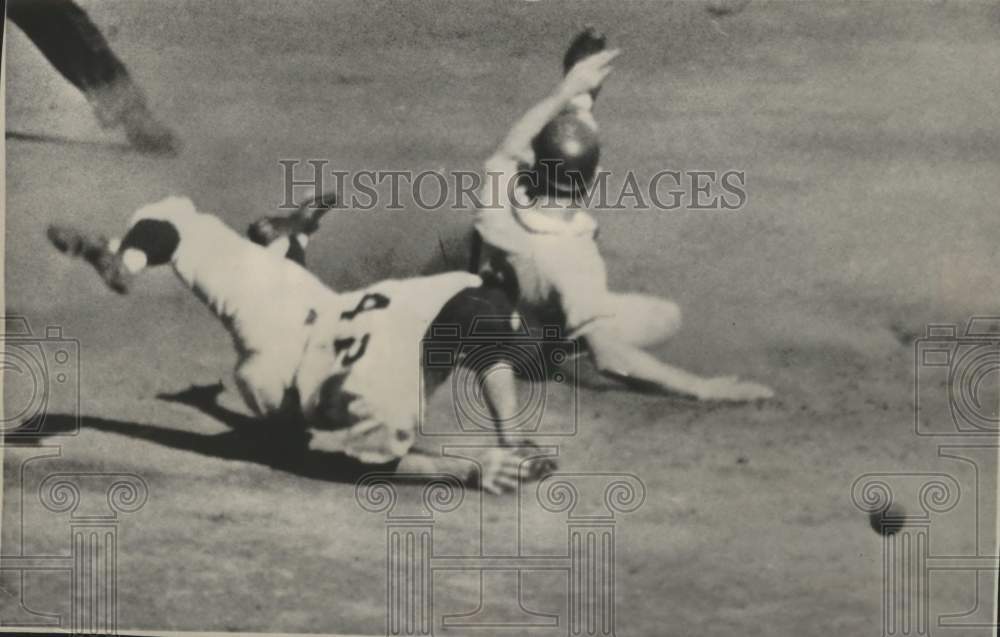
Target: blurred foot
{"type": "Point", "coordinates": [121, 103]}
{"type": "Point", "coordinates": [95, 251]}
{"type": "Point", "coordinates": [147, 135]}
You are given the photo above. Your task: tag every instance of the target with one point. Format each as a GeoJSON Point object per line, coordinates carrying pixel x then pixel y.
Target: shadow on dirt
{"type": "Point", "coordinates": [248, 440]}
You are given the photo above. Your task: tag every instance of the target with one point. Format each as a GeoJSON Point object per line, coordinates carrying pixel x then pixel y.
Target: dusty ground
{"type": "Point", "coordinates": [867, 134]}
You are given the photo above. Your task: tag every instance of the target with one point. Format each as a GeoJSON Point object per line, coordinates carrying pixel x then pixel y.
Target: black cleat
{"type": "Point", "coordinates": [122, 103]}
{"type": "Point", "coordinates": [304, 220]}
{"type": "Point", "coordinates": [93, 250]}
{"type": "Point", "coordinates": [148, 135]}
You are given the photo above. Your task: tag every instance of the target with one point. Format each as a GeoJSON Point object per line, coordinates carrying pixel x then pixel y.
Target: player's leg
{"type": "Point", "coordinates": [96, 250]}
{"type": "Point", "coordinates": [641, 320]}
{"type": "Point", "coordinates": [632, 365]}
{"type": "Point", "coordinates": [67, 37]}
{"type": "Point", "coordinates": [261, 382]}
{"type": "Point", "coordinates": [262, 390]}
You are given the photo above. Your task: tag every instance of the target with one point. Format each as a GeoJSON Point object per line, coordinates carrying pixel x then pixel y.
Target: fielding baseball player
{"type": "Point", "coordinates": [535, 236]}
{"type": "Point", "coordinates": [309, 357]}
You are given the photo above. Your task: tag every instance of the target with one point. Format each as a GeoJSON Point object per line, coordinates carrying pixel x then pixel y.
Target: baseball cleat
{"type": "Point", "coordinates": [303, 221]}
{"type": "Point", "coordinates": [148, 135]}
{"type": "Point", "coordinates": [93, 250]}
{"type": "Point", "coordinates": [122, 103]}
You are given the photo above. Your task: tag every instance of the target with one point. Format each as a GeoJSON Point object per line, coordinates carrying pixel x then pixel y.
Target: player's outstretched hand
{"type": "Point", "coordinates": [533, 466]}
{"type": "Point", "coordinates": [500, 471]}
{"type": "Point", "coordinates": [731, 388]}
{"type": "Point", "coordinates": [584, 44]}
{"type": "Point", "coordinates": [588, 74]}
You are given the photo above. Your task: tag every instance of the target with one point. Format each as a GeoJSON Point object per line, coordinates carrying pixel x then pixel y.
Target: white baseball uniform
{"type": "Point", "coordinates": [561, 275]}
{"type": "Point", "coordinates": [353, 358]}
{"type": "Point", "coordinates": [362, 365]}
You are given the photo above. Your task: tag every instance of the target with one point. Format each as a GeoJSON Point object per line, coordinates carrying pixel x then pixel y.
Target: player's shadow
{"type": "Point", "coordinates": [248, 439]}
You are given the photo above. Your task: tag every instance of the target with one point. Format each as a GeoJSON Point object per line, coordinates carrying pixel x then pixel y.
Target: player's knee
{"type": "Point", "coordinates": [645, 321]}
{"type": "Point", "coordinates": [262, 390]}
{"type": "Point", "coordinates": [670, 316]}
{"type": "Point", "coordinates": [663, 321]}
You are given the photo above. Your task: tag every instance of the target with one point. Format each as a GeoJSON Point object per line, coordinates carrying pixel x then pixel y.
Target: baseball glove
{"type": "Point", "coordinates": [585, 44]}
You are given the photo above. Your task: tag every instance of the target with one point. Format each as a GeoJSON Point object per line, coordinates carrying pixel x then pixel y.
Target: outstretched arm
{"type": "Point", "coordinates": [499, 465]}
{"type": "Point", "coordinates": [515, 149]}
{"type": "Point", "coordinates": [498, 468]}
{"type": "Point", "coordinates": [630, 364]}
{"type": "Point", "coordinates": [494, 469]}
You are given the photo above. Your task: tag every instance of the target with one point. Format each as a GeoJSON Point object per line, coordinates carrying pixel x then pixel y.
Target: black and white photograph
{"type": "Point", "coordinates": [530, 318]}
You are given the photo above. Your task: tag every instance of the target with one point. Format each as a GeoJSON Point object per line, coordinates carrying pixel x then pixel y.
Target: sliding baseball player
{"type": "Point", "coordinates": [535, 234]}
{"type": "Point", "coordinates": [309, 357]}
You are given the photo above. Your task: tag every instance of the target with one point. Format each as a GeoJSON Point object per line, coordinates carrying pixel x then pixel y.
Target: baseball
{"type": "Point", "coordinates": [888, 521]}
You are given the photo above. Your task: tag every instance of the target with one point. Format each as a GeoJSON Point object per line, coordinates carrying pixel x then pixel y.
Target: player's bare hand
{"type": "Point", "coordinates": [534, 465]}
{"type": "Point", "coordinates": [499, 471]}
{"type": "Point", "coordinates": [588, 74]}
{"type": "Point", "coordinates": [731, 388]}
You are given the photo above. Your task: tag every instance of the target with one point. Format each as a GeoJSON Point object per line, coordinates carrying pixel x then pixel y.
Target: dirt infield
{"type": "Point", "coordinates": [866, 135]}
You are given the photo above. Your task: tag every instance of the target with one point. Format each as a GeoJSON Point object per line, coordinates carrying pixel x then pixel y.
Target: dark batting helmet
{"type": "Point", "coordinates": [566, 155]}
